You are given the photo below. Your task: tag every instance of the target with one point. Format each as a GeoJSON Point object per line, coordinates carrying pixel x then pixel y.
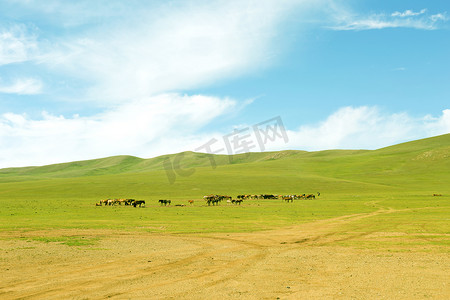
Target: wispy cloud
{"type": "Point", "coordinates": [365, 128]}
{"type": "Point", "coordinates": [148, 127]}
{"type": "Point", "coordinates": [156, 51]}
{"type": "Point", "coordinates": [23, 86]}
{"type": "Point", "coordinates": [346, 20]}
{"type": "Point", "coordinates": [17, 44]}
{"type": "Point", "coordinates": [408, 13]}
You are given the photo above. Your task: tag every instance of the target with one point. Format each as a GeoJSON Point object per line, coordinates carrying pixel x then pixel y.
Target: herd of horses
{"type": "Point", "coordinates": [287, 198]}
{"type": "Point", "coordinates": [216, 199]}
{"type": "Point", "coordinates": [111, 202]}
{"type": "Point", "coordinates": [209, 199]}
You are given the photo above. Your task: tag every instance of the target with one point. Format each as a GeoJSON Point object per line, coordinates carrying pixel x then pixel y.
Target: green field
{"type": "Point", "coordinates": [403, 177]}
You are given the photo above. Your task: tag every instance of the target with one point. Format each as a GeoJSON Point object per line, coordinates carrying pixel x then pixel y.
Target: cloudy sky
{"type": "Point", "coordinates": [89, 79]}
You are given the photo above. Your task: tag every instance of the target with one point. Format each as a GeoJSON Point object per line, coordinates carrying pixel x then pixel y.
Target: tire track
{"type": "Point", "coordinates": [209, 261]}
{"type": "Point", "coordinates": [76, 278]}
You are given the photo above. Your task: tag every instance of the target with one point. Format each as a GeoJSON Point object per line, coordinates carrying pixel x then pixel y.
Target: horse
{"type": "Point", "coordinates": [214, 199]}
{"type": "Point", "coordinates": [105, 201]}
{"type": "Point", "coordinates": [288, 198]}
{"type": "Point", "coordinates": [129, 201]}
{"type": "Point", "coordinates": [120, 201]}
{"type": "Point", "coordinates": [165, 202]}
{"type": "Point", "coordinates": [138, 202]}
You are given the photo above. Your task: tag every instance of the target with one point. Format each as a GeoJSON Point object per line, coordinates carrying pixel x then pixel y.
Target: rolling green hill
{"type": "Point", "coordinates": [406, 164]}
{"type": "Point", "coordinates": [63, 195]}
{"type": "Point", "coordinates": [120, 164]}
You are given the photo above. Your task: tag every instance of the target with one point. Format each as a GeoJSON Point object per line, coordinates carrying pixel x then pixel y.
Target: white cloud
{"type": "Point", "coordinates": [408, 13]}
{"type": "Point", "coordinates": [439, 125]}
{"type": "Point", "coordinates": [134, 54]}
{"type": "Point", "coordinates": [148, 127]}
{"type": "Point", "coordinates": [346, 20]}
{"type": "Point", "coordinates": [23, 86]}
{"type": "Point", "coordinates": [17, 44]}
{"type": "Point", "coordinates": [438, 17]}
{"type": "Point", "coordinates": [364, 128]}
{"type": "Point", "coordinates": [189, 46]}
{"type": "Point", "coordinates": [170, 123]}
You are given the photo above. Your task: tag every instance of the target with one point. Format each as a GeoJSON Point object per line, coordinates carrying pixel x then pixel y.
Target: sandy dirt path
{"type": "Point", "coordinates": [301, 262]}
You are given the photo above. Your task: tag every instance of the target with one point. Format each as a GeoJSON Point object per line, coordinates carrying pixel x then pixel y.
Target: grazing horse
{"type": "Point", "coordinates": [129, 201]}
{"type": "Point", "coordinates": [268, 196]}
{"type": "Point", "coordinates": [126, 201]}
{"type": "Point", "coordinates": [214, 199]}
{"type": "Point", "coordinates": [310, 196]}
{"type": "Point", "coordinates": [437, 195]}
{"type": "Point", "coordinates": [105, 201]}
{"type": "Point", "coordinates": [288, 198]}
{"type": "Point", "coordinates": [138, 202]}
{"type": "Point", "coordinates": [165, 202]}
{"type": "Point", "coordinates": [120, 201]}
{"type": "Point", "coordinates": [237, 201]}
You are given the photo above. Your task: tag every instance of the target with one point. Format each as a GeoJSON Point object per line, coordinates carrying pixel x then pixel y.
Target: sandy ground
{"type": "Point", "coordinates": [302, 262]}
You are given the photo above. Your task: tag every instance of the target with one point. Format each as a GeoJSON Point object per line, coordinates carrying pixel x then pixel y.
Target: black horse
{"type": "Point", "coordinates": [138, 202]}
{"type": "Point", "coordinates": [165, 202]}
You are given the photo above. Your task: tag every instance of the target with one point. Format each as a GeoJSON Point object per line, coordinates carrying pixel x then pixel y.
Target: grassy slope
{"type": "Point", "coordinates": [350, 181]}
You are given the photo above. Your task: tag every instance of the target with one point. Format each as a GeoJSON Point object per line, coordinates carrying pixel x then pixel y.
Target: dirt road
{"type": "Point", "coordinates": [302, 262]}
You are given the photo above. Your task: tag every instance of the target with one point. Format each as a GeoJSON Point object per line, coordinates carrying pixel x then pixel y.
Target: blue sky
{"type": "Point", "coordinates": [89, 79]}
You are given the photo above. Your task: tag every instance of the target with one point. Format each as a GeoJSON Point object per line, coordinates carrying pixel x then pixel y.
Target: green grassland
{"type": "Point", "coordinates": [403, 177]}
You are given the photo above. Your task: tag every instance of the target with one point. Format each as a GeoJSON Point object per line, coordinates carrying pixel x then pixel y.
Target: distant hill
{"type": "Point", "coordinates": [423, 162]}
